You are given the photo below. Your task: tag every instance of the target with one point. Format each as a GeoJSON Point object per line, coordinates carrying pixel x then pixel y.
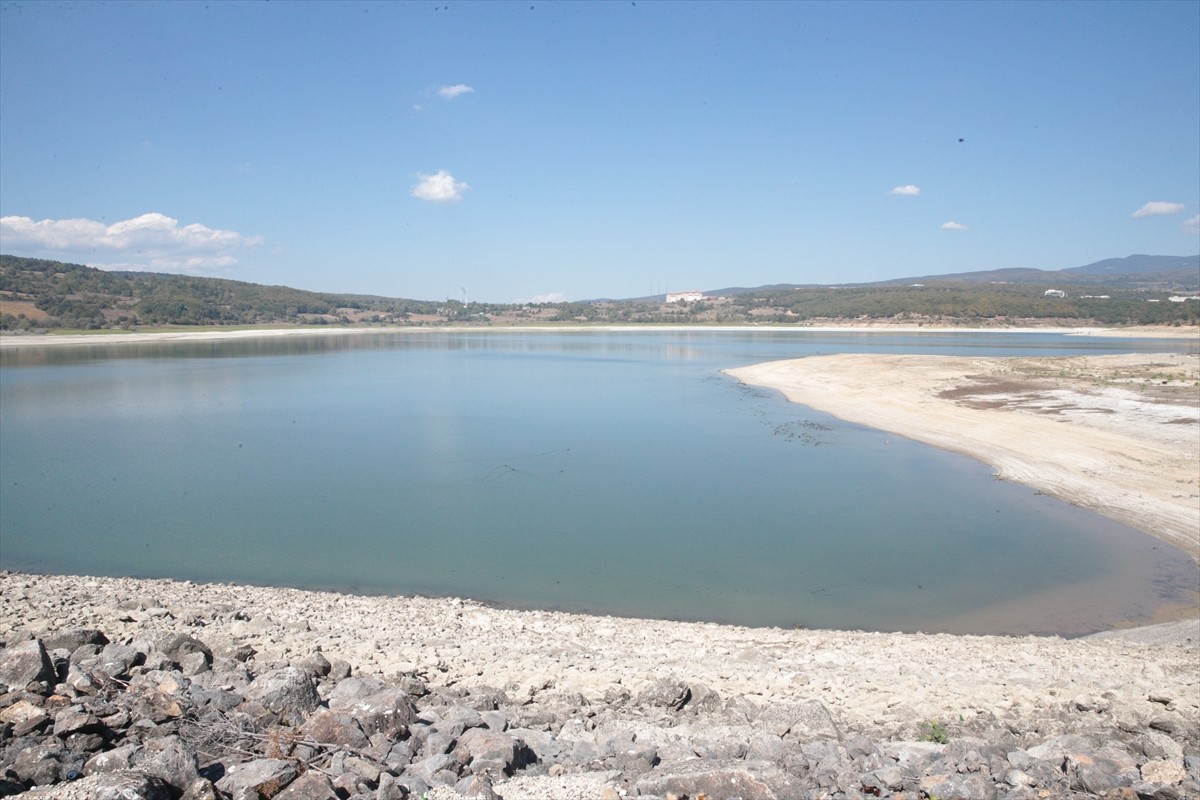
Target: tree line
{"type": "Point", "coordinates": [74, 296]}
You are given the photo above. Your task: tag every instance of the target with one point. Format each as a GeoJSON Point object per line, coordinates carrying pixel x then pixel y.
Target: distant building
{"type": "Point", "coordinates": [685, 297]}
{"type": "Point", "coordinates": [1054, 293]}
{"type": "Point", "coordinates": [1175, 298]}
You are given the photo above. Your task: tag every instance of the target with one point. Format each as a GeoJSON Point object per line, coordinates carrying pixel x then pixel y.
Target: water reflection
{"type": "Point", "coordinates": [618, 472]}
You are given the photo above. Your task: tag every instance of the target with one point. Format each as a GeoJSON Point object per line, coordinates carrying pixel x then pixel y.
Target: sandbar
{"type": "Point", "coordinates": [1115, 434]}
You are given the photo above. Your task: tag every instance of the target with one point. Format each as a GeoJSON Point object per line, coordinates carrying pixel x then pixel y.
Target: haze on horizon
{"type": "Point", "coordinates": [561, 151]}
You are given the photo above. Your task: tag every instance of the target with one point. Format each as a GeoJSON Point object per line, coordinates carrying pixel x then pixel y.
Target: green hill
{"type": "Point", "coordinates": [50, 294]}
{"type": "Point", "coordinates": [36, 294]}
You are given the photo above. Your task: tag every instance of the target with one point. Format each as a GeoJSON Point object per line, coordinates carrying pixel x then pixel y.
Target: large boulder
{"type": "Point", "coordinates": [669, 693]}
{"type": "Point", "coordinates": [74, 638]}
{"type": "Point", "coordinates": [289, 692]}
{"type": "Point", "coordinates": [25, 663]}
{"type": "Point", "coordinates": [749, 781]}
{"type": "Point", "coordinates": [267, 776]}
{"type": "Point", "coordinates": [488, 752]}
{"type": "Point", "coordinates": [389, 711]}
{"type": "Point", "coordinates": [42, 764]}
{"type": "Point", "coordinates": [334, 728]}
{"type": "Point", "coordinates": [802, 721]}
{"type": "Point", "coordinates": [312, 785]}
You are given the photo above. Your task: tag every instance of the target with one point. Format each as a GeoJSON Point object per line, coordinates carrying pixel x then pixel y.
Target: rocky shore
{"type": "Point", "coordinates": [122, 688]}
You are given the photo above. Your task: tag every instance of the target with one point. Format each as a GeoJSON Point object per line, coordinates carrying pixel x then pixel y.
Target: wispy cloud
{"type": "Point", "coordinates": [549, 297]}
{"type": "Point", "coordinates": [151, 241]}
{"type": "Point", "coordinates": [953, 226]}
{"type": "Point", "coordinates": [1191, 225]}
{"type": "Point", "coordinates": [441, 187]}
{"type": "Point", "coordinates": [451, 92]}
{"type": "Point", "coordinates": [1156, 208]}
{"type": "Point", "coordinates": [908, 190]}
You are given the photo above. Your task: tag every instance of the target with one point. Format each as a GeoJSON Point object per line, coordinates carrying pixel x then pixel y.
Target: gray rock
{"type": "Point", "coordinates": [753, 781]}
{"type": "Point", "coordinates": [961, 787]}
{"type": "Point", "coordinates": [802, 721]}
{"type": "Point", "coordinates": [766, 747]}
{"type": "Point", "coordinates": [458, 718]}
{"type": "Point", "coordinates": [41, 764]}
{"type": "Point", "coordinates": [352, 688]}
{"type": "Point", "coordinates": [1056, 748]}
{"type": "Point", "coordinates": [200, 789]}
{"type": "Point", "coordinates": [119, 759]}
{"type": "Point", "coordinates": [194, 663]}
{"type": "Point", "coordinates": [1101, 770]}
{"type": "Point", "coordinates": [485, 751]}
{"type": "Point", "coordinates": [670, 693]}
{"type": "Point", "coordinates": [719, 748]}
{"type": "Point", "coordinates": [336, 728]}
{"type": "Point", "coordinates": [263, 775]}
{"type": "Point", "coordinates": [110, 786]}
{"type": "Point", "coordinates": [74, 719]}
{"type": "Point", "coordinates": [889, 778]}
{"type": "Point", "coordinates": [495, 720]}
{"type": "Point", "coordinates": [476, 787]}
{"type": "Point", "coordinates": [388, 710]}
{"type": "Point", "coordinates": [168, 758]}
{"type": "Point", "coordinates": [115, 660]}
{"type": "Point", "coordinates": [426, 768]}
{"type": "Point", "coordinates": [289, 692]}
{"type": "Point", "coordinates": [25, 663]}
{"type": "Point", "coordinates": [363, 768]}
{"type": "Point", "coordinates": [914, 757]}
{"type": "Point", "coordinates": [316, 664]}
{"type": "Point", "coordinates": [75, 638]}
{"type": "Point", "coordinates": [388, 788]}
{"type": "Point", "coordinates": [1168, 771]}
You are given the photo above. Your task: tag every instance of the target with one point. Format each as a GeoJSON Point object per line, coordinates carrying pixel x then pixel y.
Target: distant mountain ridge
{"type": "Point", "coordinates": [1134, 271]}
{"type": "Point", "coordinates": [1139, 265]}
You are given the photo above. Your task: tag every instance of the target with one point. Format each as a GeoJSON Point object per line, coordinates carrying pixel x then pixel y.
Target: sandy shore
{"type": "Point", "coordinates": [1119, 435]}
{"type": "Point", "coordinates": [107, 337]}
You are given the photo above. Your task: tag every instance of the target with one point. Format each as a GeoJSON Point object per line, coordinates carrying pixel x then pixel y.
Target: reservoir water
{"type": "Point", "coordinates": [613, 472]}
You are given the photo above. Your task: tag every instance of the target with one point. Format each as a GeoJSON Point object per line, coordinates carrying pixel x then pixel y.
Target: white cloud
{"type": "Point", "coordinates": [953, 226]}
{"type": "Point", "coordinates": [451, 92]}
{"type": "Point", "coordinates": [440, 187]}
{"type": "Point", "coordinates": [907, 190]}
{"type": "Point", "coordinates": [1156, 208]}
{"type": "Point", "coordinates": [1191, 225]}
{"type": "Point", "coordinates": [151, 241]}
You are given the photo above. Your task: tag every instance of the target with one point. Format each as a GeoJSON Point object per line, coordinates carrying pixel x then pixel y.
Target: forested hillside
{"type": "Point", "coordinates": [46, 295]}
{"type": "Point", "coordinates": [49, 294]}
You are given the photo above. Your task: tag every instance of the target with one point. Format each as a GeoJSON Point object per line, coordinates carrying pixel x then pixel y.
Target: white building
{"type": "Point", "coordinates": [1054, 293]}
{"type": "Point", "coordinates": [685, 297]}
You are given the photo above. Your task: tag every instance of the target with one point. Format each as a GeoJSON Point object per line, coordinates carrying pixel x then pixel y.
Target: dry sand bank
{"type": "Point", "coordinates": [1119, 435]}
{"type": "Point", "coordinates": [59, 340]}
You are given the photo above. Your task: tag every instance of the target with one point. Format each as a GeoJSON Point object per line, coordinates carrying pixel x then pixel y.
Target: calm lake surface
{"type": "Point", "coordinates": [614, 472]}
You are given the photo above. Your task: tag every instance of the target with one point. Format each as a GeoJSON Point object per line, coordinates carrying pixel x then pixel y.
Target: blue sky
{"type": "Point", "coordinates": [543, 151]}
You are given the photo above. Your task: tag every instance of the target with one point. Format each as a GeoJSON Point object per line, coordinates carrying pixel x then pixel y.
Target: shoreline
{"type": "Point", "coordinates": [582, 690]}
{"type": "Point", "coordinates": [1160, 517]}
{"type": "Point", "coordinates": [8, 340]}
{"type": "Point", "coordinates": [1101, 444]}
